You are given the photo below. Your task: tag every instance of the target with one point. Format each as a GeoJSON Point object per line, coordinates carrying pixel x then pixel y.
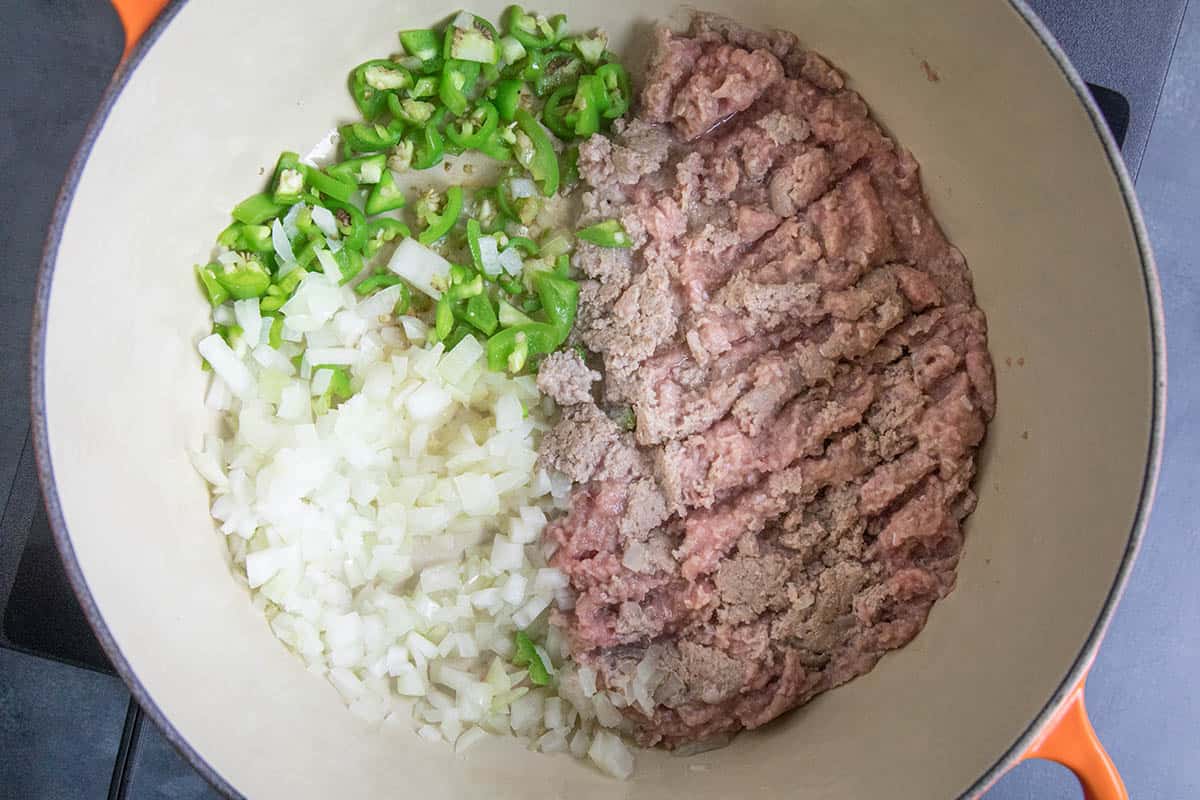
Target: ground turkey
{"type": "Point", "coordinates": [776, 398]}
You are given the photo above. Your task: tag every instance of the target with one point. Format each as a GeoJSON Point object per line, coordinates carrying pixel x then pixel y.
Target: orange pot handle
{"type": "Point", "coordinates": [1070, 740]}
{"type": "Point", "coordinates": [136, 16]}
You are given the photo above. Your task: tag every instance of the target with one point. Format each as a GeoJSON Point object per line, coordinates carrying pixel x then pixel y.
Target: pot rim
{"type": "Point", "coordinates": [1011, 756]}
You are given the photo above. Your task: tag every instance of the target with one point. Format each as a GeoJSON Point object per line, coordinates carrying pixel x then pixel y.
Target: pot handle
{"type": "Point", "coordinates": [136, 16]}
{"type": "Point", "coordinates": [1070, 740]}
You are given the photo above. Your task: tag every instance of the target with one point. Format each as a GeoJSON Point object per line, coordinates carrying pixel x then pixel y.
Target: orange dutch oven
{"type": "Point", "coordinates": [1018, 167]}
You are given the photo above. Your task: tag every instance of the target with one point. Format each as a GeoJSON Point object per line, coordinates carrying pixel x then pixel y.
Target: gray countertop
{"type": "Point", "coordinates": [60, 726]}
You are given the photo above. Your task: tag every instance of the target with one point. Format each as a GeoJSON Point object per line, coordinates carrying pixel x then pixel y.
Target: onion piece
{"type": "Point", "coordinates": [323, 218]}
{"type": "Point", "coordinates": [489, 255]}
{"type": "Point", "coordinates": [228, 366]}
{"type": "Point", "coordinates": [420, 266]}
{"type": "Point", "coordinates": [283, 247]}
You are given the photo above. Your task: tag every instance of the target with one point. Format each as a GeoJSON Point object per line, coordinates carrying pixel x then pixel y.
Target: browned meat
{"type": "Point", "coordinates": [565, 377]}
{"type": "Point", "coordinates": [810, 378]}
{"type": "Point", "coordinates": [800, 180]}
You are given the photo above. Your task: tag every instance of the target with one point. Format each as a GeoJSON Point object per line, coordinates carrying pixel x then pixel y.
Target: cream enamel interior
{"type": "Point", "coordinates": [1019, 180]}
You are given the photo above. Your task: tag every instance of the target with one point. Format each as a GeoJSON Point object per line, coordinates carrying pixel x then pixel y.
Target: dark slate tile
{"type": "Point", "coordinates": [60, 728]}
{"type": "Point", "coordinates": [1037, 780]}
{"type": "Point", "coordinates": [1122, 45]}
{"type": "Point", "coordinates": [55, 61]}
{"type": "Point", "coordinates": [158, 772]}
{"type": "Point", "coordinates": [1141, 691]}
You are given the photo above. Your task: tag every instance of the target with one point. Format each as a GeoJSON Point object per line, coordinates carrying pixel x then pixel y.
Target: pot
{"type": "Point", "coordinates": [1021, 172]}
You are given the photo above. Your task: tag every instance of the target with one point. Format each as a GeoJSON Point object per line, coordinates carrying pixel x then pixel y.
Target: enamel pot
{"type": "Point", "coordinates": [1024, 177]}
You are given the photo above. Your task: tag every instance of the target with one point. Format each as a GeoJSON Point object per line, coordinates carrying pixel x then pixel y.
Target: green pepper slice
{"type": "Point", "coordinates": [526, 245]}
{"type": "Point", "coordinates": [251, 238]}
{"type": "Point", "coordinates": [371, 81]}
{"type": "Point", "coordinates": [474, 231]}
{"type": "Point", "coordinates": [421, 44]}
{"type": "Point", "coordinates": [534, 31]}
{"type": "Point", "coordinates": [213, 290]}
{"type": "Point", "coordinates": [556, 110]}
{"type": "Point", "coordinates": [509, 316]}
{"type": "Point", "coordinates": [410, 110]}
{"type": "Point", "coordinates": [257, 209]}
{"type": "Point", "coordinates": [443, 317]}
{"type": "Point", "coordinates": [361, 137]}
{"type": "Point", "coordinates": [560, 301]}
{"type": "Point", "coordinates": [559, 68]}
{"type": "Point", "coordinates": [458, 79]}
{"type": "Point", "coordinates": [509, 94]}
{"type": "Point", "coordinates": [479, 312]}
{"type": "Point", "coordinates": [440, 224]}
{"type": "Point", "coordinates": [507, 203]}
{"type": "Point", "coordinates": [477, 43]}
{"type": "Point", "coordinates": [474, 130]}
{"type": "Point", "coordinates": [244, 280]}
{"type": "Point", "coordinates": [538, 155]}
{"type": "Point", "coordinates": [589, 102]}
{"type": "Point", "coordinates": [361, 170]}
{"type": "Point", "coordinates": [328, 185]}
{"type": "Point", "coordinates": [383, 230]}
{"type": "Point", "coordinates": [350, 263]}
{"type": "Point", "coordinates": [288, 181]}
{"type": "Point", "coordinates": [609, 233]}
{"type": "Point", "coordinates": [570, 165]}
{"type": "Point", "coordinates": [386, 196]}
{"type": "Point", "coordinates": [510, 348]}
{"type": "Point", "coordinates": [426, 86]}
{"type": "Point", "coordinates": [381, 281]}
{"type": "Point", "coordinates": [617, 89]}
{"type": "Point", "coordinates": [427, 147]}
{"type": "Point", "coordinates": [495, 148]}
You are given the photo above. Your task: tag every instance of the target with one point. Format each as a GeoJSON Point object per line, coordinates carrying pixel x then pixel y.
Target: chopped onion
{"type": "Point", "coordinates": [420, 266]}
{"type": "Point", "coordinates": [489, 255]}
{"type": "Point", "coordinates": [522, 187]}
{"type": "Point", "coordinates": [611, 755]}
{"type": "Point", "coordinates": [323, 218]}
{"type": "Point", "coordinates": [283, 247]}
{"type": "Point", "coordinates": [329, 504]}
{"type": "Point", "coordinates": [228, 366]}
{"type": "Point", "coordinates": [329, 266]}
{"type": "Point", "coordinates": [289, 220]}
{"type": "Point", "coordinates": [511, 261]}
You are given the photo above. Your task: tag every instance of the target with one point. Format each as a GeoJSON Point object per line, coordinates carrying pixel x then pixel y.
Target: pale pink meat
{"type": "Point", "coordinates": [798, 347]}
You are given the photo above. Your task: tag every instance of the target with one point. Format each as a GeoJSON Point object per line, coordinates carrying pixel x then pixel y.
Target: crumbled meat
{"type": "Point", "coordinates": [800, 180]}
{"type": "Point", "coordinates": [852, 222]}
{"type": "Point", "coordinates": [565, 377]}
{"type": "Point", "coordinates": [724, 81]}
{"type": "Point", "coordinates": [750, 586]}
{"type": "Point", "coordinates": [810, 381]}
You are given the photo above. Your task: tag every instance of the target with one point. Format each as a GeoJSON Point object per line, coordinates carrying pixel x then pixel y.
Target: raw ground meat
{"type": "Point", "coordinates": [810, 379]}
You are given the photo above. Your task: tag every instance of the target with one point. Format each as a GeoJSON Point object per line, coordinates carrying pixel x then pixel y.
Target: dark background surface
{"type": "Point", "coordinates": [66, 731]}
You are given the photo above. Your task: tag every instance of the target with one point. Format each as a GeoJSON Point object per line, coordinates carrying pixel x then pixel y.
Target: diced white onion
{"type": "Point", "coordinates": [522, 187]}
{"type": "Point", "coordinates": [279, 240]}
{"type": "Point", "coordinates": [323, 218]}
{"type": "Point", "coordinates": [489, 255]}
{"type": "Point", "coordinates": [511, 261]}
{"type": "Point", "coordinates": [227, 365]}
{"type": "Point", "coordinates": [420, 266]}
